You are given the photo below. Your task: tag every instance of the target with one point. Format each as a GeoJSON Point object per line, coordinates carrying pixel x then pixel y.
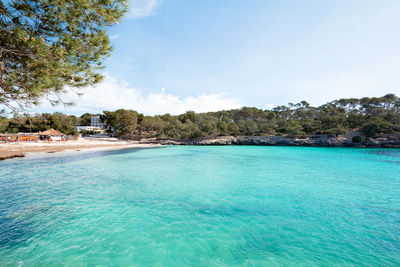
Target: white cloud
{"type": "Point", "coordinates": [115, 36]}
{"type": "Point", "coordinates": [142, 8]}
{"type": "Point", "coordinates": [112, 94]}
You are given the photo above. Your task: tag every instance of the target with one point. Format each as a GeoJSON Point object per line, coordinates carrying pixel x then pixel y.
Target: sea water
{"type": "Point", "coordinates": [202, 206]}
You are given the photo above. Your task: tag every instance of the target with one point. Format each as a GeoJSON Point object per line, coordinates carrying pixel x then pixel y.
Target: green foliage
{"type": "Point", "coordinates": [122, 122]}
{"type": "Point", "coordinates": [84, 119]}
{"type": "Point", "coordinates": [152, 124]}
{"type": "Point", "coordinates": [49, 45]}
{"type": "Point", "coordinates": [39, 122]}
{"type": "Point", "coordinates": [292, 127]}
{"type": "Point", "coordinates": [233, 129]}
{"type": "Point", "coordinates": [222, 128]}
{"type": "Point", "coordinates": [356, 139]}
{"type": "Point", "coordinates": [335, 131]}
{"type": "Point", "coordinates": [333, 119]}
{"type": "Point", "coordinates": [377, 125]}
{"type": "Point", "coordinates": [372, 116]}
{"type": "Point", "coordinates": [3, 124]}
{"type": "Point", "coordinates": [207, 127]}
{"type": "Point", "coordinates": [247, 127]}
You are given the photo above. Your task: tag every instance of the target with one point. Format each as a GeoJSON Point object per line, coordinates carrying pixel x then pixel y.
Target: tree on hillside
{"type": "Point", "coordinates": [121, 122]}
{"type": "Point", "coordinates": [39, 122]}
{"type": "Point", "coordinates": [373, 116]}
{"type": "Point", "coordinates": [50, 46]}
{"type": "Point", "coordinates": [3, 124]}
{"type": "Point", "coordinates": [151, 124]}
{"type": "Point", "coordinates": [378, 125]}
{"type": "Point", "coordinates": [85, 119]}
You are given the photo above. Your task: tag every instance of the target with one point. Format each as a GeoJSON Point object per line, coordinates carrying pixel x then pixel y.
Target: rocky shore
{"type": "Point", "coordinates": [309, 141]}
{"type": "Point", "coordinates": [4, 156]}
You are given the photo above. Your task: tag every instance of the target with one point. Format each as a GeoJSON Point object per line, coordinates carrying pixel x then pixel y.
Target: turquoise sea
{"type": "Point", "coordinates": [202, 206]}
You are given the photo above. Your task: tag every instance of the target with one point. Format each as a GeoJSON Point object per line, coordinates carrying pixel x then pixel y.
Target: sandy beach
{"type": "Point", "coordinates": [20, 149]}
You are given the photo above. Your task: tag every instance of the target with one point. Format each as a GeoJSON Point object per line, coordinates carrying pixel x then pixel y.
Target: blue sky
{"type": "Point", "coordinates": [177, 55]}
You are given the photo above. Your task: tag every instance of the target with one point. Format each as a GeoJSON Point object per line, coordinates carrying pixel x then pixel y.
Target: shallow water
{"type": "Point", "coordinates": [204, 206]}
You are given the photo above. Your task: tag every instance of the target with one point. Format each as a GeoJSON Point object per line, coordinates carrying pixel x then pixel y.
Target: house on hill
{"type": "Point", "coordinates": [53, 135]}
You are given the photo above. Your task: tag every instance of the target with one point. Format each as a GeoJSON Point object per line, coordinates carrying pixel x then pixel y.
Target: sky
{"type": "Point", "coordinates": [171, 56]}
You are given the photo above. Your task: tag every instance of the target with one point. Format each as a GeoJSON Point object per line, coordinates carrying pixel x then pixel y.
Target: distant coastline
{"type": "Point", "coordinates": [389, 141]}
{"type": "Point", "coordinates": [20, 149]}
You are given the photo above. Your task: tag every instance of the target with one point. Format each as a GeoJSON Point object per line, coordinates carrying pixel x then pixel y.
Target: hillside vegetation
{"type": "Point", "coordinates": [371, 115]}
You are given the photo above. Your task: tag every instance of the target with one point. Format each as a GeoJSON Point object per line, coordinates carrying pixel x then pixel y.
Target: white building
{"type": "Point", "coordinates": [96, 122]}
{"type": "Point", "coordinates": [90, 129]}
{"type": "Point", "coordinates": [95, 126]}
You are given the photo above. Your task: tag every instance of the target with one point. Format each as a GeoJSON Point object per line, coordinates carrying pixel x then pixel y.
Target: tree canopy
{"type": "Point", "coordinates": [49, 46]}
{"type": "Point", "coordinates": [40, 122]}
{"type": "Point", "coordinates": [370, 115]}
{"type": "Point", "coordinates": [121, 122]}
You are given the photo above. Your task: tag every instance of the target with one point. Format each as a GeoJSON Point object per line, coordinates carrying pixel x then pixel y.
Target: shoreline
{"type": "Point", "coordinates": [21, 150]}
{"type": "Point", "coordinates": [87, 144]}
{"type": "Point", "coordinates": [88, 150]}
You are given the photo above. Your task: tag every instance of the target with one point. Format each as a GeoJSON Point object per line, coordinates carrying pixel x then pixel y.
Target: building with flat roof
{"type": "Point", "coordinates": [96, 122]}
{"type": "Point", "coordinates": [93, 129]}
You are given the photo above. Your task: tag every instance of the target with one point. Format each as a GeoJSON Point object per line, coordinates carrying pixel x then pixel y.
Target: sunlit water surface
{"type": "Point", "coordinates": [203, 206]}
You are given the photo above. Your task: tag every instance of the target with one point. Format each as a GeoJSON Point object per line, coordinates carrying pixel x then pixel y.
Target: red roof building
{"type": "Point", "coordinates": [53, 135]}
{"type": "Point", "coordinates": [52, 132]}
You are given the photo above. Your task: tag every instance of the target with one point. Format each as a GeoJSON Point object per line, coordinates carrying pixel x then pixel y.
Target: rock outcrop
{"type": "Point", "coordinates": [10, 156]}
